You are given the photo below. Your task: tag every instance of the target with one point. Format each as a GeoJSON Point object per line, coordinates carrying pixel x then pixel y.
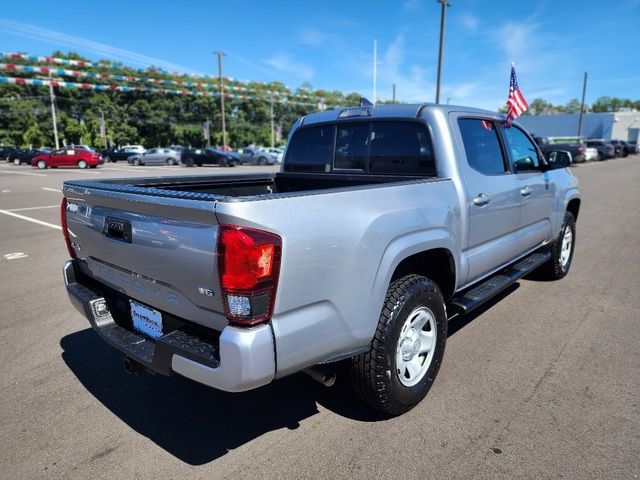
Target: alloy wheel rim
{"type": "Point", "coordinates": [416, 346]}
{"type": "Point", "coordinates": [565, 250]}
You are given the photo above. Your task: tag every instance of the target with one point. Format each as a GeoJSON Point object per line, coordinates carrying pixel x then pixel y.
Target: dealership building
{"type": "Point", "coordinates": [609, 126]}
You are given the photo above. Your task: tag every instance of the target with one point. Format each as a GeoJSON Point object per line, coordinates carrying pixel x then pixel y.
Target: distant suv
{"type": "Point", "coordinates": [605, 149]}
{"type": "Point", "coordinates": [623, 149]}
{"type": "Point", "coordinates": [68, 157]}
{"type": "Point", "coordinates": [25, 155]}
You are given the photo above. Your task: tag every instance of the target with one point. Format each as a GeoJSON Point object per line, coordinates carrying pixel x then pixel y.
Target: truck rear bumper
{"type": "Point", "coordinates": [242, 359]}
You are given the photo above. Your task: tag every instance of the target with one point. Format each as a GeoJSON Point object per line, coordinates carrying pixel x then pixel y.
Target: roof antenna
{"type": "Point", "coordinates": [365, 102]}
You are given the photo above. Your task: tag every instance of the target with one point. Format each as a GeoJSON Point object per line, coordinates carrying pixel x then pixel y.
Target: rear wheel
{"type": "Point", "coordinates": [82, 164]}
{"type": "Point", "coordinates": [136, 162]}
{"type": "Point", "coordinates": [16, 161]}
{"type": "Point", "coordinates": [407, 348]}
{"type": "Point", "coordinates": [262, 161]}
{"type": "Point", "coordinates": [41, 164]}
{"type": "Point", "coordinates": [107, 159]}
{"type": "Point", "coordinates": [171, 161]}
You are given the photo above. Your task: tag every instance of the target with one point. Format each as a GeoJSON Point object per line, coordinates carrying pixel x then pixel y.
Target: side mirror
{"type": "Point", "coordinates": [559, 159]}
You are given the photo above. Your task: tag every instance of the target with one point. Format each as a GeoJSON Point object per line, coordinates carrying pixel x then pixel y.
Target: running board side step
{"type": "Point", "coordinates": [467, 300]}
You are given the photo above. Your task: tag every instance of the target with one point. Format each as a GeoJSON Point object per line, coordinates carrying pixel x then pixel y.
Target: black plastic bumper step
{"type": "Point", "coordinates": [471, 298]}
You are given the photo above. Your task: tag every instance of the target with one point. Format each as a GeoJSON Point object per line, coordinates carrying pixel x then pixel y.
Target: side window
{"type": "Point", "coordinates": [401, 148]}
{"type": "Point", "coordinates": [311, 149]}
{"type": "Point", "coordinates": [352, 142]}
{"type": "Point", "coordinates": [522, 152]}
{"type": "Point", "coordinates": [153, 150]}
{"type": "Point", "coordinates": [482, 146]}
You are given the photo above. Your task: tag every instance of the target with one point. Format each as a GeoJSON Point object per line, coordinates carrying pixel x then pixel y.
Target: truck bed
{"type": "Point", "coordinates": [241, 187]}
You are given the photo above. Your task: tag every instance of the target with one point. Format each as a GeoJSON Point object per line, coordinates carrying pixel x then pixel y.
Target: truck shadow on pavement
{"type": "Point", "coordinates": [195, 423]}
{"type": "Point", "coordinates": [198, 424]}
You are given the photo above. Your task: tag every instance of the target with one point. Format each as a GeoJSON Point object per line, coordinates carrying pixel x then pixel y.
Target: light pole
{"type": "Point", "coordinates": [220, 80]}
{"type": "Point", "coordinates": [445, 4]}
{"type": "Point", "coordinates": [584, 91]}
{"type": "Point", "coordinates": [53, 114]}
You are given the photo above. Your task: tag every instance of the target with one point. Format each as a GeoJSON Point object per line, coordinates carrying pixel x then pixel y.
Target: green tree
{"type": "Point", "coordinates": [34, 137]}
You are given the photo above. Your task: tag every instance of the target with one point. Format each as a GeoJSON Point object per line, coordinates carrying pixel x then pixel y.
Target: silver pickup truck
{"type": "Point", "coordinates": [383, 223]}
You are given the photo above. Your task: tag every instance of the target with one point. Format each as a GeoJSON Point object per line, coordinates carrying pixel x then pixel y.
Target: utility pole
{"type": "Point", "coordinates": [445, 4]}
{"type": "Point", "coordinates": [221, 82]}
{"type": "Point", "coordinates": [53, 114]}
{"type": "Point", "coordinates": [103, 129]}
{"type": "Point", "coordinates": [375, 69]}
{"type": "Point", "coordinates": [394, 93]}
{"type": "Point", "coordinates": [584, 91]}
{"type": "Point", "coordinates": [273, 132]}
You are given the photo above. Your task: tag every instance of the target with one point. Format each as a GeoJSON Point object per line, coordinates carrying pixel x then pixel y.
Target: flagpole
{"type": "Point", "coordinates": [375, 69]}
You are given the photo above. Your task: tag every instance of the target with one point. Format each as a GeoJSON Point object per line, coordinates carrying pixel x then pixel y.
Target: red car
{"type": "Point", "coordinates": [68, 157]}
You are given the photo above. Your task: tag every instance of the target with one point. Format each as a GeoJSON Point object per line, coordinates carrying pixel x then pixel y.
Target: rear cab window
{"type": "Point", "coordinates": [376, 147]}
{"type": "Point", "coordinates": [482, 146]}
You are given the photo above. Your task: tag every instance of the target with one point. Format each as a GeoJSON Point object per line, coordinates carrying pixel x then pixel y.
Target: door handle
{"type": "Point", "coordinates": [481, 200]}
{"type": "Point", "coordinates": [525, 191]}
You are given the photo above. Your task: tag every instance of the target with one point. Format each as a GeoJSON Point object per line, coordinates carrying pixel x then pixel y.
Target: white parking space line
{"type": "Point", "coordinates": [52, 189]}
{"type": "Point", "coordinates": [31, 208]}
{"type": "Point", "coordinates": [29, 219]}
{"type": "Point", "coordinates": [23, 173]}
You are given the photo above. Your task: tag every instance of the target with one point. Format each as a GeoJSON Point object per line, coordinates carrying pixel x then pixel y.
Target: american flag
{"type": "Point", "coordinates": [516, 104]}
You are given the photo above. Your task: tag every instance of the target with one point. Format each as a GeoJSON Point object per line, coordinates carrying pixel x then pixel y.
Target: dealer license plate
{"type": "Point", "coordinates": [146, 319]}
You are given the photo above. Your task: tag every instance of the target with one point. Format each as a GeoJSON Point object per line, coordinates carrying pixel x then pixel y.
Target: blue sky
{"type": "Point", "coordinates": [329, 43]}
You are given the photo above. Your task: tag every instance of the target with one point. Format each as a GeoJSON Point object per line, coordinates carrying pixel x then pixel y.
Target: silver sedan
{"type": "Point", "coordinates": [156, 156]}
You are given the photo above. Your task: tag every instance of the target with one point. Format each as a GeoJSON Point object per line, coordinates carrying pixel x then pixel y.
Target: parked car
{"type": "Point", "coordinates": [6, 150]}
{"type": "Point", "coordinates": [623, 149]}
{"type": "Point", "coordinates": [135, 148]}
{"type": "Point", "coordinates": [68, 157]}
{"type": "Point", "coordinates": [22, 156]}
{"type": "Point", "coordinates": [156, 156]}
{"type": "Point", "coordinates": [605, 149]}
{"type": "Point", "coordinates": [211, 156]}
{"type": "Point", "coordinates": [590, 153]}
{"type": "Point", "coordinates": [255, 156]}
{"type": "Point", "coordinates": [277, 153]}
{"type": "Point", "coordinates": [359, 249]}
{"type": "Point", "coordinates": [576, 148]}
{"type": "Point", "coordinates": [117, 154]}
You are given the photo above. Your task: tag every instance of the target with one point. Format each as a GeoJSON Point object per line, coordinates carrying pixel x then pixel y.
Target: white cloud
{"type": "Point", "coordinates": [313, 37]}
{"type": "Point", "coordinates": [469, 22]}
{"type": "Point", "coordinates": [412, 5]}
{"type": "Point", "coordinates": [86, 45]}
{"type": "Point", "coordinates": [285, 63]}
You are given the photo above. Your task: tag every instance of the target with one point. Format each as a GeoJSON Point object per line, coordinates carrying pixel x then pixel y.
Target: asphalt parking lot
{"type": "Point", "coordinates": [542, 383]}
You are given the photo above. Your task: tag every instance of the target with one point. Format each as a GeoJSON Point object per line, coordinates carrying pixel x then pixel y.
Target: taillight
{"type": "Point", "coordinates": [249, 266]}
{"type": "Point", "coordinates": [65, 230]}
{"type": "Point", "coordinates": [580, 149]}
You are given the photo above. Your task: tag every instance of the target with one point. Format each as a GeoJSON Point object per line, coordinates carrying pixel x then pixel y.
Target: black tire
{"type": "Point", "coordinates": [107, 159]}
{"type": "Point", "coordinates": [262, 161]}
{"type": "Point", "coordinates": [17, 161]}
{"type": "Point", "coordinates": [41, 164]}
{"type": "Point", "coordinates": [171, 161]}
{"type": "Point", "coordinates": [135, 162]}
{"type": "Point", "coordinates": [82, 164]}
{"type": "Point", "coordinates": [374, 374]}
{"type": "Point", "coordinates": [554, 268]}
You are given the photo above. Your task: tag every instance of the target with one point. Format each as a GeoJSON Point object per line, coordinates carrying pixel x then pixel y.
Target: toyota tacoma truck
{"type": "Point", "coordinates": [382, 224]}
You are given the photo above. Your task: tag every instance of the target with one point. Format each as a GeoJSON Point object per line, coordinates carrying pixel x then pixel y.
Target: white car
{"type": "Point", "coordinates": [590, 153]}
{"type": "Point", "coordinates": [276, 153]}
{"type": "Point", "coordinates": [135, 148]}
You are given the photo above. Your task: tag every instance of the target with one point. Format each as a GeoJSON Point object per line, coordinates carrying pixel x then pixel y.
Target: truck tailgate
{"type": "Point", "coordinates": [160, 251]}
